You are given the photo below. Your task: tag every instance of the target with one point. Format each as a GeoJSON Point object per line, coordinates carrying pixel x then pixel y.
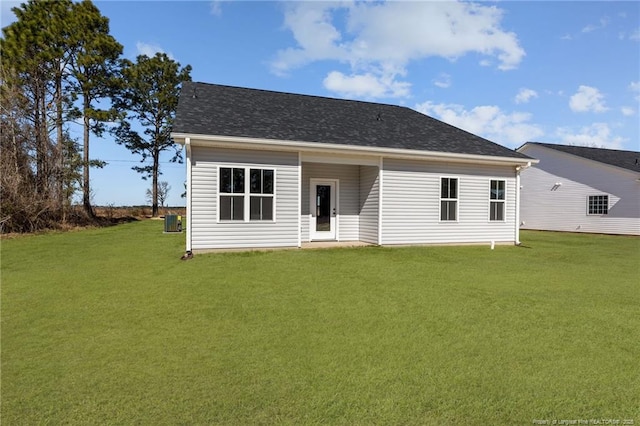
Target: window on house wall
{"type": "Point", "coordinates": [497, 200]}
{"type": "Point", "coordinates": [449, 199]}
{"type": "Point", "coordinates": [235, 199]}
{"type": "Point", "coordinates": [598, 204]}
{"type": "Point", "coordinates": [261, 199]}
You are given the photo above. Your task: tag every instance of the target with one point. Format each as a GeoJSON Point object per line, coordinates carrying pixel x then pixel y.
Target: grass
{"type": "Point", "coordinates": [108, 326]}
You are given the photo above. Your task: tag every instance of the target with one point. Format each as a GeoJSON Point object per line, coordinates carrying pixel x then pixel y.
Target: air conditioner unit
{"type": "Point", "coordinates": [172, 223]}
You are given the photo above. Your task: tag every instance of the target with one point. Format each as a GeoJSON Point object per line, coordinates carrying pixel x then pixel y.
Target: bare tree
{"type": "Point", "coordinates": [163, 193]}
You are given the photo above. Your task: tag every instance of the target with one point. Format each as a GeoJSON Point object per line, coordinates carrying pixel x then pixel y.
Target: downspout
{"type": "Point", "coordinates": [187, 144]}
{"type": "Point", "coordinates": [517, 221]}
{"type": "Point", "coordinates": [299, 199]}
{"type": "Point", "coordinates": [380, 190]}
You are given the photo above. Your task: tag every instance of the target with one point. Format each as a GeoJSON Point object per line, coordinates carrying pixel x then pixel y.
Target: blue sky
{"type": "Point", "coordinates": [558, 72]}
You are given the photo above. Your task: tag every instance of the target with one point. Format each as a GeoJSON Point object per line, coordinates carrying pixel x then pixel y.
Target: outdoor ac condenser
{"type": "Point", "coordinates": [172, 223]}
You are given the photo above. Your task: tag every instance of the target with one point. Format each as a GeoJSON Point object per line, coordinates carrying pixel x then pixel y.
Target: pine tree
{"type": "Point", "coordinates": [95, 70]}
{"type": "Point", "coordinates": [55, 53]}
{"type": "Point", "coordinates": [33, 48]}
{"type": "Point", "coordinates": [151, 98]}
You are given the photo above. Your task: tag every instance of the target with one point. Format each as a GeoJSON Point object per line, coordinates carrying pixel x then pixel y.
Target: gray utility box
{"type": "Point", "coordinates": [172, 223]}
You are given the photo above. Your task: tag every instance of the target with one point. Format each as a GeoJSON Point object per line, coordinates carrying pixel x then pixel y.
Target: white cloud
{"type": "Point", "coordinates": [627, 111]}
{"type": "Point", "coordinates": [604, 21]}
{"type": "Point", "coordinates": [310, 23]}
{"type": "Point", "coordinates": [373, 38]}
{"type": "Point", "coordinates": [216, 8]}
{"type": "Point", "coordinates": [596, 135]}
{"type": "Point", "coordinates": [488, 121]}
{"type": "Point", "coordinates": [365, 85]}
{"type": "Point", "coordinates": [634, 86]}
{"type": "Point", "coordinates": [150, 49]}
{"type": "Point", "coordinates": [443, 81]}
{"type": "Point", "coordinates": [633, 35]}
{"type": "Point", "coordinates": [587, 99]}
{"type": "Point", "coordinates": [525, 95]}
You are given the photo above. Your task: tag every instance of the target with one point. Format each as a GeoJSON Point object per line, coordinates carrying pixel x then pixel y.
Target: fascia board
{"type": "Point", "coordinates": [272, 144]}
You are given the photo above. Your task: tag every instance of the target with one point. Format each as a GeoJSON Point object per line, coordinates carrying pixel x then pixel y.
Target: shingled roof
{"type": "Point", "coordinates": [211, 109]}
{"type": "Point", "coordinates": [629, 160]}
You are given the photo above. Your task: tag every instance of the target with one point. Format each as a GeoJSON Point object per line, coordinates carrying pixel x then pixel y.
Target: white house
{"type": "Point", "coordinates": [581, 189]}
{"type": "Point", "coordinates": [270, 169]}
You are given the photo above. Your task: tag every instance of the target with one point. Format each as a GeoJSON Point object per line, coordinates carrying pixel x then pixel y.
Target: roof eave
{"type": "Point", "coordinates": [273, 144]}
{"type": "Point", "coordinates": [620, 168]}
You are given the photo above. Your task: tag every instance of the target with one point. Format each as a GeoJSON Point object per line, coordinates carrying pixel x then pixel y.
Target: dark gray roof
{"type": "Point", "coordinates": [629, 160]}
{"type": "Point", "coordinates": [212, 109]}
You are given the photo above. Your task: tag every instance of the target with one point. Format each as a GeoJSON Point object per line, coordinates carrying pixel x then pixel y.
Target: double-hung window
{"type": "Point", "coordinates": [449, 199]}
{"type": "Point", "coordinates": [598, 204]}
{"type": "Point", "coordinates": [497, 200]}
{"type": "Point", "coordinates": [246, 193]}
{"type": "Point", "coordinates": [232, 193]}
{"type": "Point", "coordinates": [261, 199]}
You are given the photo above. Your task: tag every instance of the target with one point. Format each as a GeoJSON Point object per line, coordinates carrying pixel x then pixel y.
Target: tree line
{"type": "Point", "coordinates": [61, 67]}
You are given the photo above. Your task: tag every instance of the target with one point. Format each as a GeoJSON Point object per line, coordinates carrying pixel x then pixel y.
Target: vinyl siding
{"type": "Point", "coordinates": [411, 203]}
{"type": "Point", "coordinates": [348, 197]}
{"type": "Point", "coordinates": [208, 233]}
{"type": "Point", "coordinates": [546, 206]}
{"type": "Point", "coordinates": [369, 199]}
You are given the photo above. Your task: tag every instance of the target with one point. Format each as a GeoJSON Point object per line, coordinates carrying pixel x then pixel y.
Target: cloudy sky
{"type": "Point", "coordinates": [557, 72]}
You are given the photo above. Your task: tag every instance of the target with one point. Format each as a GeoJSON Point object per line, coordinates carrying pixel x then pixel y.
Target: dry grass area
{"type": "Point", "coordinates": [139, 212]}
{"type": "Point", "coordinates": [77, 220]}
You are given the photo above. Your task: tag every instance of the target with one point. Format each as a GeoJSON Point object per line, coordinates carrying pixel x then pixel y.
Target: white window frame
{"type": "Point", "coordinates": [502, 201]}
{"type": "Point", "coordinates": [457, 200]}
{"type": "Point", "coordinates": [588, 205]}
{"type": "Point", "coordinates": [247, 194]}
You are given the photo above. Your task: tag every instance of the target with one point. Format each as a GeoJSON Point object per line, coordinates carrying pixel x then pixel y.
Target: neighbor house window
{"type": "Point", "coordinates": [449, 199]}
{"type": "Point", "coordinates": [235, 199]}
{"type": "Point", "coordinates": [496, 200]}
{"type": "Point", "coordinates": [598, 204]}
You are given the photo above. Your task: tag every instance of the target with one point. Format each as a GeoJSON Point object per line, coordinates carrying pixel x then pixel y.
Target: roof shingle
{"type": "Point", "coordinates": [212, 109]}
{"type": "Point", "coordinates": [629, 160]}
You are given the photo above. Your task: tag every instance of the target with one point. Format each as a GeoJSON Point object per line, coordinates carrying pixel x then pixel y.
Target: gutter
{"type": "Point", "coordinates": [263, 144]}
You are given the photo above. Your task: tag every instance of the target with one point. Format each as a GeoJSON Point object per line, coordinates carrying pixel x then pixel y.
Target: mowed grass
{"type": "Point", "coordinates": [108, 326]}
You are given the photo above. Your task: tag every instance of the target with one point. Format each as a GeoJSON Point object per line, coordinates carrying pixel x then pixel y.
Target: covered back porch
{"type": "Point", "coordinates": [340, 199]}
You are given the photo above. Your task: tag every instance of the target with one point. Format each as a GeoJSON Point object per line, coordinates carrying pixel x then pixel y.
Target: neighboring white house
{"type": "Point", "coordinates": [581, 189]}
{"type": "Point", "coordinates": [271, 169]}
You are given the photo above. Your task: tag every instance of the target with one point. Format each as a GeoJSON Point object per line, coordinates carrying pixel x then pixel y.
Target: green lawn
{"type": "Point", "coordinates": [108, 326]}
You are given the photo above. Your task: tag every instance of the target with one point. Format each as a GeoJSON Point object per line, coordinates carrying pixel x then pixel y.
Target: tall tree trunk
{"type": "Point", "coordinates": [154, 207]}
{"type": "Point", "coordinates": [43, 148]}
{"type": "Point", "coordinates": [59, 175]}
{"type": "Point", "coordinates": [86, 190]}
{"type": "Point", "coordinates": [37, 118]}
